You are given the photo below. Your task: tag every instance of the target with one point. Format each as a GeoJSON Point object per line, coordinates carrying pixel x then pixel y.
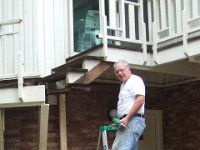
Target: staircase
{"type": "Point", "coordinates": [77, 71]}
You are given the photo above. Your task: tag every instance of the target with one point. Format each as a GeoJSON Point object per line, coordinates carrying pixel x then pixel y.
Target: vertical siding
{"type": "Point", "coordinates": [40, 45]}
{"type": "Point", "coordinates": [59, 31]}
{"type": "Point", "coordinates": [43, 36]}
{"type": "Point", "coordinates": [1, 41]}
{"type": "Point", "coordinates": [28, 36]}
{"type": "Point", "coordinates": [16, 36]}
{"type": "Point", "coordinates": [54, 33]}
{"type": "Point", "coordinates": [49, 33]}
{"type": "Point", "coordinates": [7, 42]}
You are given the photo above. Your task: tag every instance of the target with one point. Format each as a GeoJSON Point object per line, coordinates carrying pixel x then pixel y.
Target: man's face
{"type": "Point", "coordinates": [122, 72]}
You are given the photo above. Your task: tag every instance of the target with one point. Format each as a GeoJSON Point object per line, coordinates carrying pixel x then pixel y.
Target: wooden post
{"type": "Point", "coordinates": [43, 125]}
{"type": "Point", "coordinates": [63, 122]}
{"type": "Point", "coordinates": [1, 128]}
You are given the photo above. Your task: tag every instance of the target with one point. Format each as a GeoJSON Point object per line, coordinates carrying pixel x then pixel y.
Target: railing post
{"type": "Point", "coordinates": [195, 8]}
{"type": "Point", "coordinates": [149, 8]}
{"type": "Point", "coordinates": [105, 39]}
{"type": "Point", "coordinates": [103, 27]}
{"type": "Point", "coordinates": [163, 14]}
{"type": "Point", "coordinates": [20, 63]}
{"type": "Point", "coordinates": [112, 13]}
{"type": "Point", "coordinates": [155, 31]}
{"type": "Point", "coordinates": [20, 77]}
{"type": "Point", "coordinates": [132, 23]}
{"type": "Point", "coordinates": [142, 31]}
{"type": "Point", "coordinates": [122, 18]}
{"type": "Point", "coordinates": [170, 18]}
{"type": "Point", "coordinates": [178, 16]}
{"type": "Point", "coordinates": [185, 28]}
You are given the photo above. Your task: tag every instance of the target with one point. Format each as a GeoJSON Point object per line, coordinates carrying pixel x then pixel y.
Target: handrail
{"type": "Point", "coordinates": [10, 22]}
{"type": "Point", "coordinates": [131, 3]}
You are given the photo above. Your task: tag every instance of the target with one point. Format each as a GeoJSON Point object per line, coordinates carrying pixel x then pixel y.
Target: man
{"type": "Point", "coordinates": [130, 108]}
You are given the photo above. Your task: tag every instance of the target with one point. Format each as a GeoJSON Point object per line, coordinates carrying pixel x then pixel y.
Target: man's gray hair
{"type": "Point", "coordinates": [126, 65]}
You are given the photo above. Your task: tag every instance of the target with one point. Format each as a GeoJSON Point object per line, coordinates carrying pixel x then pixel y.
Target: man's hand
{"type": "Point", "coordinates": [124, 121]}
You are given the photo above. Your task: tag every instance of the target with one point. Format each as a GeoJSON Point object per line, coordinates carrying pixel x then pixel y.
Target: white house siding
{"type": "Point", "coordinates": [42, 40]}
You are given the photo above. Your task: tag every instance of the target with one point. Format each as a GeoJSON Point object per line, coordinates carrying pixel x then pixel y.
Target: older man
{"type": "Point", "coordinates": [130, 108]}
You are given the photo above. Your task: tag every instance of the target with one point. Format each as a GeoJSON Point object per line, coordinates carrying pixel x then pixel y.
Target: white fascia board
{"type": "Point", "coordinates": [90, 64]}
{"type": "Point", "coordinates": [32, 96]}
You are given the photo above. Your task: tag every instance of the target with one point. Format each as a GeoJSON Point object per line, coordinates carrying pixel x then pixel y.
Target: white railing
{"type": "Point", "coordinates": [19, 57]}
{"type": "Point", "coordinates": [171, 15]}
{"type": "Point", "coordinates": [174, 19]}
{"type": "Point", "coordinates": [165, 20]}
{"type": "Point", "coordinates": [123, 23]}
{"type": "Point", "coordinates": [10, 41]}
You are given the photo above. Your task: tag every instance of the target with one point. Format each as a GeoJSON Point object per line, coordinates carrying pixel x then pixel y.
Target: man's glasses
{"type": "Point", "coordinates": [120, 70]}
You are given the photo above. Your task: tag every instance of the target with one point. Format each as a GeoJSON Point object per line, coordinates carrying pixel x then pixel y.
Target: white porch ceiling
{"type": "Point", "coordinates": [165, 75]}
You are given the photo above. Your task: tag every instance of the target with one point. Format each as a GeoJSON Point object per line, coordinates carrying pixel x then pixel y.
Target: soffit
{"type": "Point", "coordinates": [171, 74]}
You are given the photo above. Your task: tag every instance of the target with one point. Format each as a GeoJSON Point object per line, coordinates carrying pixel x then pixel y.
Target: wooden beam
{"type": "Point", "coordinates": [43, 125]}
{"type": "Point", "coordinates": [63, 122]}
{"type": "Point", "coordinates": [94, 73]}
{"type": "Point", "coordinates": [60, 75]}
{"type": "Point", "coordinates": [1, 129]}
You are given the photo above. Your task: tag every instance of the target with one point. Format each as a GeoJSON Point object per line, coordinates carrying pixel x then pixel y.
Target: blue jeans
{"type": "Point", "coordinates": [127, 139]}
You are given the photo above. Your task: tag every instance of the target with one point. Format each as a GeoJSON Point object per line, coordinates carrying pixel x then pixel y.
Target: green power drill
{"type": "Point", "coordinates": [118, 123]}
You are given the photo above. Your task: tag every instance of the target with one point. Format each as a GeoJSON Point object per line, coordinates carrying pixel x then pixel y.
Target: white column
{"type": "Point", "coordinates": [63, 122]}
{"type": "Point", "coordinates": [43, 126]}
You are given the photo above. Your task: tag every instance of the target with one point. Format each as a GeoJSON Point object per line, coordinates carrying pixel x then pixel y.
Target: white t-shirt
{"type": "Point", "coordinates": [128, 90]}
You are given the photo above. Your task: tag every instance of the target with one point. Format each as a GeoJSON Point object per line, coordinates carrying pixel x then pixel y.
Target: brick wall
{"type": "Point", "coordinates": [21, 129]}
{"type": "Point", "coordinates": [87, 110]}
{"type": "Point", "coordinates": [182, 117]}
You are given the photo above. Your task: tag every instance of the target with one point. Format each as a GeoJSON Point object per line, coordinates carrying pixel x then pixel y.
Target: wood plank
{"type": "Point", "coordinates": [43, 122]}
{"type": "Point", "coordinates": [75, 61]}
{"type": "Point", "coordinates": [94, 73]}
{"type": "Point", "coordinates": [63, 122]}
{"type": "Point", "coordinates": [61, 75]}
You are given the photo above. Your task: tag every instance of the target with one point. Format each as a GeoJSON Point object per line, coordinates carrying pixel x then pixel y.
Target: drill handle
{"type": "Point", "coordinates": [116, 121]}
